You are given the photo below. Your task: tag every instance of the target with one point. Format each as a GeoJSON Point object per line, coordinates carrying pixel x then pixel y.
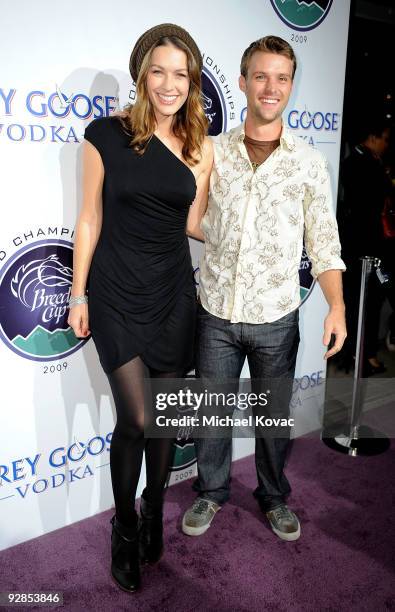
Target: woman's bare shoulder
{"type": "Point", "coordinates": [208, 144]}
{"type": "Point", "coordinates": [207, 152]}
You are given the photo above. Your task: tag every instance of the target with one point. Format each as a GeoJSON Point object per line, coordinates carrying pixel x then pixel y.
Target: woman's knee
{"type": "Point", "coordinates": [131, 428]}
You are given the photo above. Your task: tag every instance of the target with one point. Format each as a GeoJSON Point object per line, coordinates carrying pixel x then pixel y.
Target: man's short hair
{"type": "Point", "coordinates": [268, 44]}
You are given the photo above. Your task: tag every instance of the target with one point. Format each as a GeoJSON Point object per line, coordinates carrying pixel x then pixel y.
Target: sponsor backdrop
{"type": "Point", "coordinates": [64, 69]}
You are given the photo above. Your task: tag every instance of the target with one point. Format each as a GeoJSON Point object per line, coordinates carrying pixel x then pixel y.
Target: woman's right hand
{"type": "Point", "coordinates": [79, 320]}
{"type": "Point", "coordinates": [87, 233]}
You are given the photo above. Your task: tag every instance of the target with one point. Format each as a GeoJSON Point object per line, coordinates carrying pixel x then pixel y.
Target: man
{"type": "Point", "coordinates": [267, 189]}
{"type": "Point", "coordinates": [366, 191]}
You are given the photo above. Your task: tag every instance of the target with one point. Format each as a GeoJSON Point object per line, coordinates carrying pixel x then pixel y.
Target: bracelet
{"type": "Point", "coordinates": [80, 299]}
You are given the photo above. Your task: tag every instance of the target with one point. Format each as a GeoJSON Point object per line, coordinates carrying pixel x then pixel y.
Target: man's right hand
{"type": "Point", "coordinates": [79, 320]}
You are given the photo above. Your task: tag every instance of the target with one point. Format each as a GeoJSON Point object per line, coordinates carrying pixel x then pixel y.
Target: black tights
{"type": "Point", "coordinates": [128, 442]}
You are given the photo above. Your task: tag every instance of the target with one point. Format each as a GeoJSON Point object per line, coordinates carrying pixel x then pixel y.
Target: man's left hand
{"type": "Point", "coordinates": [335, 323]}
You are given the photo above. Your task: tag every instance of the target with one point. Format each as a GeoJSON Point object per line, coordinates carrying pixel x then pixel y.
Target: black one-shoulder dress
{"type": "Point", "coordinates": [142, 297]}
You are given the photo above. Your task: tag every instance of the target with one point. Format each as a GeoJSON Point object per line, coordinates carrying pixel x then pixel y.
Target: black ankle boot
{"type": "Point", "coordinates": [150, 532]}
{"type": "Point", "coordinates": [125, 566]}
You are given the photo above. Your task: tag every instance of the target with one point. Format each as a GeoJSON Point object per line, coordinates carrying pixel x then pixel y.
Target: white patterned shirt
{"type": "Point", "coordinates": [255, 224]}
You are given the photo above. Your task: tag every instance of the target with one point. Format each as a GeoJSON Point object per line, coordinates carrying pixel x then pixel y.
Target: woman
{"type": "Point", "coordinates": [142, 171]}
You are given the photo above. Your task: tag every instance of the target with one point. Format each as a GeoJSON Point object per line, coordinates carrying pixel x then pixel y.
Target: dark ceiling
{"type": "Point", "coordinates": [370, 79]}
{"type": "Point", "coordinates": [380, 10]}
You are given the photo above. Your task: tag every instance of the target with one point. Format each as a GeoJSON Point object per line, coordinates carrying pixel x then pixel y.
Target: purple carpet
{"type": "Point", "coordinates": [344, 559]}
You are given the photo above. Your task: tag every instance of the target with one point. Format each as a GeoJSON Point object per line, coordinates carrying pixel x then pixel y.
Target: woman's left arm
{"type": "Point", "coordinates": [199, 205]}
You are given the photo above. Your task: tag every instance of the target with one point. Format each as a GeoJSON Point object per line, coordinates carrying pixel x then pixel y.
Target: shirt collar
{"type": "Point", "coordinates": [286, 138]}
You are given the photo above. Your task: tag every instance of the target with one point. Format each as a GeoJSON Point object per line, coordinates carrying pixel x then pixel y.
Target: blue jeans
{"type": "Point", "coordinates": [271, 350]}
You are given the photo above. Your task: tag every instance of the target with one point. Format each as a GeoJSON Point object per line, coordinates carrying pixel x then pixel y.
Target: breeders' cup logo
{"type": "Point", "coordinates": [305, 278]}
{"type": "Point", "coordinates": [217, 98]}
{"type": "Point", "coordinates": [213, 104]}
{"type": "Point", "coordinates": [35, 288]}
{"type": "Point", "coordinates": [302, 14]}
{"type": "Point", "coordinates": [184, 455]}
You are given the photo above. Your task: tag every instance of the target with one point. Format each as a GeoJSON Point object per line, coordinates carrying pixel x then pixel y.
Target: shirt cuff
{"type": "Point", "coordinates": [319, 267]}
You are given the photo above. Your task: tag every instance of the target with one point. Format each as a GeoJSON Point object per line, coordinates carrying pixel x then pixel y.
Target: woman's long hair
{"type": "Point", "coordinates": [189, 123]}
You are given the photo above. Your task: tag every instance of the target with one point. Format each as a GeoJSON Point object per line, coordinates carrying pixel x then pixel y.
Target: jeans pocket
{"type": "Point", "coordinates": [288, 320]}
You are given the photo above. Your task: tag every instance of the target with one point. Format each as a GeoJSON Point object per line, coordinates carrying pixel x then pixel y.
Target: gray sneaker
{"type": "Point", "coordinates": [197, 519]}
{"type": "Point", "coordinates": [284, 523]}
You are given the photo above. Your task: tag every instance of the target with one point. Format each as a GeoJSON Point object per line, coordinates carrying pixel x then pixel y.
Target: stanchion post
{"type": "Point", "coordinates": [356, 406]}
{"type": "Point", "coordinates": [353, 444]}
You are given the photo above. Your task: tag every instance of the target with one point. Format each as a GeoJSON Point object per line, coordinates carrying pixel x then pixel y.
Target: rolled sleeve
{"type": "Point", "coordinates": [321, 234]}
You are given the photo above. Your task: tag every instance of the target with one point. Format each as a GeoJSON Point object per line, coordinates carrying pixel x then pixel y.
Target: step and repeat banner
{"type": "Point", "coordinates": [65, 67]}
